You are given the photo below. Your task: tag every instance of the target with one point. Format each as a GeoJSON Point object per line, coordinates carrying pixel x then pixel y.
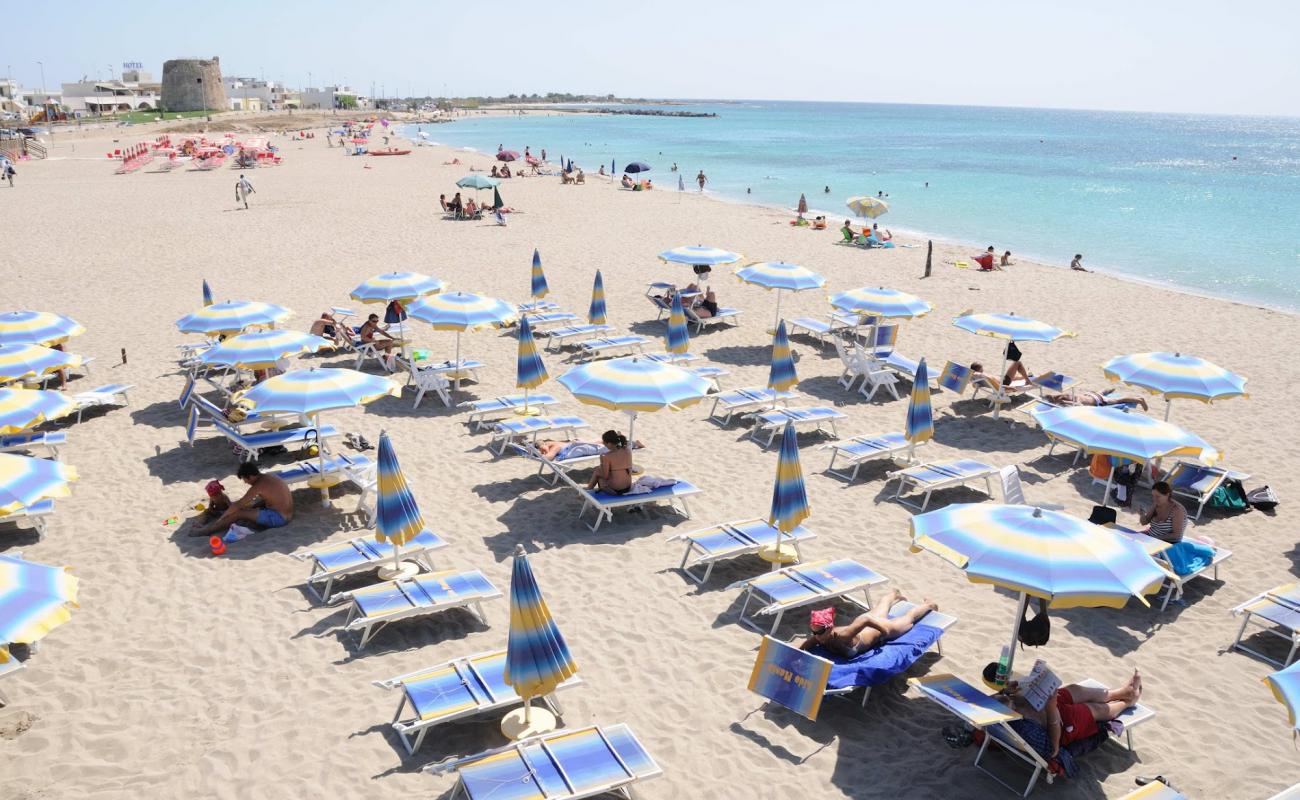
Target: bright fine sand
{"type": "Point", "coordinates": [184, 674]}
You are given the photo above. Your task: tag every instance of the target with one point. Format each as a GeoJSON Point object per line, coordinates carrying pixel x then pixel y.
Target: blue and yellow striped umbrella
{"type": "Point", "coordinates": [781, 276]}
{"type": "Point", "coordinates": [679, 336]}
{"type": "Point", "coordinates": [37, 327]}
{"type": "Point", "coordinates": [530, 370]}
{"type": "Point", "coordinates": [400, 286]}
{"type": "Point", "coordinates": [1009, 327]}
{"type": "Point", "coordinates": [1176, 376]}
{"type": "Point", "coordinates": [261, 349]}
{"type": "Point", "coordinates": [920, 416]}
{"type": "Point", "coordinates": [537, 657]}
{"type": "Point", "coordinates": [699, 255]}
{"type": "Point", "coordinates": [25, 481]}
{"type": "Point", "coordinates": [596, 311]}
{"type": "Point", "coordinates": [539, 287]}
{"type": "Point", "coordinates": [1286, 688]}
{"type": "Point", "coordinates": [207, 293]}
{"type": "Point", "coordinates": [311, 391]}
{"type": "Point", "coordinates": [397, 517]}
{"type": "Point", "coordinates": [781, 375]}
{"type": "Point", "coordinates": [232, 316]}
{"type": "Point", "coordinates": [34, 600]}
{"type": "Point", "coordinates": [1112, 432]}
{"type": "Point", "coordinates": [789, 498]}
{"type": "Point", "coordinates": [1067, 561]}
{"type": "Point", "coordinates": [32, 360]}
{"type": "Point", "coordinates": [21, 409]}
{"type": "Point", "coordinates": [881, 302]}
{"type": "Point", "coordinates": [461, 311]}
{"type": "Point", "coordinates": [634, 384]}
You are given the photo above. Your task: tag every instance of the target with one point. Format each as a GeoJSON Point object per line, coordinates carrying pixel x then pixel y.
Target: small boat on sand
{"type": "Point", "coordinates": [390, 151]}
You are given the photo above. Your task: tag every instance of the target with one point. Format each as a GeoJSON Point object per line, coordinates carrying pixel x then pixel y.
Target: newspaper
{"type": "Point", "coordinates": [1040, 686]}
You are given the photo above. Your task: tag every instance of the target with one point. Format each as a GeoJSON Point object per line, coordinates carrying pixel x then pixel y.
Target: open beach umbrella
{"type": "Point", "coordinates": [34, 600]}
{"type": "Point", "coordinates": [308, 392]}
{"type": "Point", "coordinates": [633, 385]}
{"type": "Point", "coordinates": [400, 286]}
{"type": "Point", "coordinates": [1113, 432]}
{"type": "Point", "coordinates": [867, 206]}
{"type": "Point", "coordinates": [1176, 376]}
{"type": "Point", "coordinates": [477, 181]}
{"type": "Point", "coordinates": [1286, 688]}
{"type": "Point", "coordinates": [32, 360]}
{"type": "Point", "coordinates": [397, 516]}
{"type": "Point", "coordinates": [37, 327]}
{"type": "Point", "coordinates": [537, 658]}
{"type": "Point", "coordinates": [530, 370]}
{"type": "Point", "coordinates": [781, 276]}
{"type": "Point", "coordinates": [679, 337]}
{"type": "Point", "coordinates": [636, 167]}
{"type": "Point", "coordinates": [507, 155]}
{"type": "Point", "coordinates": [880, 303]}
{"type": "Point", "coordinates": [25, 480]}
{"type": "Point", "coordinates": [232, 316]}
{"type": "Point", "coordinates": [596, 311]}
{"type": "Point", "coordinates": [789, 498]}
{"type": "Point", "coordinates": [1067, 561]}
{"type": "Point", "coordinates": [21, 409]}
{"type": "Point", "coordinates": [207, 293]}
{"type": "Point", "coordinates": [920, 416]}
{"type": "Point", "coordinates": [781, 374]}
{"type": "Point", "coordinates": [460, 312]}
{"type": "Point", "coordinates": [699, 256]}
{"type": "Point", "coordinates": [261, 349]}
{"type": "Point", "coordinates": [1009, 328]}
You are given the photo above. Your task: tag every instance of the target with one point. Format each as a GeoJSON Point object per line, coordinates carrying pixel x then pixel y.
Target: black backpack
{"type": "Point", "coordinates": [1263, 498]}
{"type": "Point", "coordinates": [1037, 631]}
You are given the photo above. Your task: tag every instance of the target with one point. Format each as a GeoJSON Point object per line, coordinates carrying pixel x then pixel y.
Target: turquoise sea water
{"type": "Point", "coordinates": [1206, 203]}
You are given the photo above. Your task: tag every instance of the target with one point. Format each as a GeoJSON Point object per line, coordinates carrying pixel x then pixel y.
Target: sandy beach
{"type": "Point", "coordinates": [188, 674]}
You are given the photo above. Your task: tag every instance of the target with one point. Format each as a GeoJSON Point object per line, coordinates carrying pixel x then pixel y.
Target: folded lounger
{"type": "Point", "coordinates": [252, 444]}
{"type": "Point", "coordinates": [881, 663]}
{"type": "Point", "coordinates": [738, 401]}
{"type": "Point", "coordinates": [483, 412]}
{"type": "Point", "coordinates": [860, 449]}
{"type": "Point", "coordinates": [360, 555]}
{"type": "Point", "coordinates": [1200, 482]}
{"type": "Point", "coordinates": [773, 422]}
{"type": "Point", "coordinates": [567, 764]}
{"type": "Point", "coordinates": [806, 584]}
{"type": "Point", "coordinates": [561, 337]}
{"type": "Point", "coordinates": [1277, 612]}
{"type": "Point", "coordinates": [732, 540]}
{"type": "Point", "coordinates": [456, 689]}
{"type": "Point", "coordinates": [107, 395]}
{"type": "Point", "coordinates": [532, 428]}
{"type": "Point", "coordinates": [612, 345]}
{"type": "Point", "coordinates": [604, 503]}
{"type": "Point", "coordinates": [929, 478]}
{"type": "Point", "coordinates": [36, 513]}
{"type": "Point", "coordinates": [376, 606]}
{"type": "Point", "coordinates": [27, 441]}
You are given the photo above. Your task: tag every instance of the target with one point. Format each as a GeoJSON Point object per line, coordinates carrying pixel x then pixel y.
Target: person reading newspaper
{"type": "Point", "coordinates": [1068, 713]}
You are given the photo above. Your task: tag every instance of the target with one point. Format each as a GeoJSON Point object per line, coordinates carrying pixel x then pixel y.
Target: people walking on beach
{"type": "Point", "coordinates": [543, 153]}
{"type": "Point", "coordinates": [242, 190]}
{"type": "Point", "coordinates": [701, 180]}
{"type": "Point", "coordinates": [1077, 263]}
{"type": "Point", "coordinates": [7, 170]}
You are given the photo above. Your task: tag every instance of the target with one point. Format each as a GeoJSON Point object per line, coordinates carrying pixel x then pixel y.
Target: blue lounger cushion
{"type": "Point", "coordinates": [877, 665]}
{"type": "Point", "coordinates": [674, 490]}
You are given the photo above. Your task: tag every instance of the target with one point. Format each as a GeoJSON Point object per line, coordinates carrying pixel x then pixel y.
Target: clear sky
{"type": "Point", "coordinates": [1141, 55]}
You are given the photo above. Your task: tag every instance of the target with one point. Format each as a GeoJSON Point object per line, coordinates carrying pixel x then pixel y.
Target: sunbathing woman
{"type": "Point", "coordinates": [1074, 711]}
{"type": "Point", "coordinates": [866, 630]}
{"type": "Point", "coordinates": [1086, 397]}
{"type": "Point", "coordinates": [614, 474]}
{"type": "Point", "coordinates": [552, 450]}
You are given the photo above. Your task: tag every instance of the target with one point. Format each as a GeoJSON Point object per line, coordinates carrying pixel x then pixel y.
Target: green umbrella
{"type": "Point", "coordinates": [496, 198]}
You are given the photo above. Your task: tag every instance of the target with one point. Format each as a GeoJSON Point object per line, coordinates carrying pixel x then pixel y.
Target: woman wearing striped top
{"type": "Point", "coordinates": [1166, 519]}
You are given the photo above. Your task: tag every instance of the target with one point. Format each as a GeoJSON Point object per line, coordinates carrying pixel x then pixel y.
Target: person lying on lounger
{"type": "Point", "coordinates": [866, 630]}
{"type": "Point", "coordinates": [267, 503]}
{"type": "Point", "coordinates": [1087, 397]}
{"type": "Point", "coordinates": [553, 450]}
{"type": "Point", "coordinates": [1074, 712]}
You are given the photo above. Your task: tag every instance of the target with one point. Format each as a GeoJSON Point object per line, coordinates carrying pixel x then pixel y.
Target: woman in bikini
{"type": "Point", "coordinates": [1166, 519]}
{"type": "Point", "coordinates": [614, 474]}
{"type": "Point", "coordinates": [866, 630]}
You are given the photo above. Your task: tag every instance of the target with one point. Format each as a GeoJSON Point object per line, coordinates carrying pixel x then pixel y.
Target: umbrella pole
{"type": "Point", "coordinates": [456, 379]}
{"type": "Point", "coordinates": [997, 407]}
{"type": "Point", "coordinates": [631, 440]}
{"type": "Point", "coordinates": [320, 451]}
{"type": "Point", "coordinates": [528, 710]}
{"type": "Point", "coordinates": [777, 322]}
{"type": "Point", "coordinates": [1110, 477]}
{"type": "Point", "coordinates": [1169, 407]}
{"type": "Point", "coordinates": [1015, 632]}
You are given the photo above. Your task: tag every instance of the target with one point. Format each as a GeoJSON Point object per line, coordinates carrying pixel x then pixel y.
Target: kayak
{"type": "Point", "coordinates": [392, 151]}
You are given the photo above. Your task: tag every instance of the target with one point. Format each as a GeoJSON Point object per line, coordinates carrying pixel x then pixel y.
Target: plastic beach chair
{"type": "Point", "coordinates": [930, 478]}
{"type": "Point", "coordinates": [730, 540]}
{"type": "Point", "coordinates": [805, 584]}
{"type": "Point", "coordinates": [859, 450]}
{"type": "Point", "coordinates": [362, 554]}
{"type": "Point", "coordinates": [375, 607]}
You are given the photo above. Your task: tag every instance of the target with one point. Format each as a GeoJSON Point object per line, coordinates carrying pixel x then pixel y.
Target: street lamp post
{"type": "Point", "coordinates": [45, 103]}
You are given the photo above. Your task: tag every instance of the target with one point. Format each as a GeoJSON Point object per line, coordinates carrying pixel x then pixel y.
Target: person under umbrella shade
{"type": "Point", "coordinates": [789, 498]}
{"type": "Point", "coordinates": [1009, 328]}
{"type": "Point", "coordinates": [21, 409]}
{"type": "Point", "coordinates": [596, 310]}
{"type": "Point", "coordinates": [232, 316]}
{"type": "Point", "coordinates": [872, 207]}
{"type": "Point", "coordinates": [537, 657]}
{"type": "Point", "coordinates": [781, 276]}
{"type": "Point", "coordinates": [1064, 560]}
{"type": "Point", "coordinates": [35, 599]}
{"type": "Point", "coordinates": [920, 416]}
{"type": "Point", "coordinates": [207, 293]}
{"type": "Point", "coordinates": [530, 370]}
{"type": "Point", "coordinates": [460, 312]}
{"type": "Point", "coordinates": [37, 327]}
{"type": "Point", "coordinates": [397, 516]}
{"type": "Point", "coordinates": [1176, 377]}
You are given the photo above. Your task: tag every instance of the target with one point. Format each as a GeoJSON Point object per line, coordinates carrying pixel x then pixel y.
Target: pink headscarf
{"type": "Point", "coordinates": [822, 618]}
{"type": "Point", "coordinates": [214, 488]}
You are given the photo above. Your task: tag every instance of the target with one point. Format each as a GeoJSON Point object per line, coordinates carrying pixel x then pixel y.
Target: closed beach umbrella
{"type": "Point", "coordinates": [1009, 328]}
{"type": "Point", "coordinates": [400, 286]}
{"type": "Point", "coordinates": [21, 409]}
{"type": "Point", "coordinates": [37, 327]}
{"type": "Point", "coordinates": [789, 498]}
{"type": "Point", "coordinates": [1286, 688]}
{"type": "Point", "coordinates": [25, 481]}
{"type": "Point", "coordinates": [497, 202]}
{"type": "Point", "coordinates": [803, 204]}
{"type": "Point", "coordinates": [1065, 560]}
{"type": "Point", "coordinates": [34, 600]}
{"type": "Point", "coordinates": [460, 312]}
{"type": "Point", "coordinates": [1176, 376]}
{"type": "Point", "coordinates": [781, 276]}
{"type": "Point", "coordinates": [207, 294]}
{"type": "Point", "coordinates": [613, 168]}
{"type": "Point", "coordinates": [397, 516]}
{"type": "Point", "coordinates": [781, 374]}
{"type": "Point", "coordinates": [681, 183]}
{"type": "Point", "coordinates": [530, 370]}
{"type": "Point", "coordinates": [31, 360]}
{"type": "Point", "coordinates": [596, 311]}
{"type": "Point", "coordinates": [920, 416]}
{"type": "Point", "coordinates": [261, 349]}
{"type": "Point", "coordinates": [232, 316]}
{"type": "Point", "coordinates": [537, 657]}
{"type": "Point", "coordinates": [539, 287]}
{"type": "Point", "coordinates": [867, 206]}
{"type": "Point", "coordinates": [679, 337]}
{"type": "Point", "coordinates": [699, 255]}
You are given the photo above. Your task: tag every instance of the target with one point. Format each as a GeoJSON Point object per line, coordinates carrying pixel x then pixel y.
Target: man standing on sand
{"type": "Point", "coordinates": [1077, 263]}
{"type": "Point", "coordinates": [701, 180]}
{"type": "Point", "coordinates": [242, 190]}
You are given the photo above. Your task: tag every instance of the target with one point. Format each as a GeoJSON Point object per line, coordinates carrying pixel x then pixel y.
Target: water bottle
{"type": "Point", "coordinates": [1004, 666]}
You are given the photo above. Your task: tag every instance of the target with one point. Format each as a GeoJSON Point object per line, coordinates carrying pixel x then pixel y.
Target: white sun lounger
{"type": "Point", "coordinates": [376, 606]}
{"type": "Point", "coordinates": [555, 465]}
{"type": "Point", "coordinates": [739, 401]}
{"type": "Point", "coordinates": [456, 689]}
{"type": "Point", "coordinates": [466, 368]}
{"type": "Point", "coordinates": [535, 307]}
{"type": "Point", "coordinates": [604, 503]}
{"type": "Point", "coordinates": [612, 345]}
{"type": "Point", "coordinates": [252, 444]}
{"type": "Point", "coordinates": [484, 412]}
{"type": "Point", "coordinates": [531, 428]}
{"type": "Point", "coordinates": [51, 441]}
{"type": "Point", "coordinates": [362, 554]}
{"type": "Point", "coordinates": [112, 394]}
{"type": "Point", "coordinates": [1174, 582]}
{"type": "Point", "coordinates": [819, 329]}
{"type": "Point", "coordinates": [723, 317]}
{"type": "Point", "coordinates": [772, 422]}
{"type": "Point", "coordinates": [930, 478]}
{"type": "Point", "coordinates": [707, 372]}
{"type": "Point", "coordinates": [859, 450]}
{"type": "Point", "coordinates": [35, 514]}
{"type": "Point", "coordinates": [1277, 612]}
{"type": "Point", "coordinates": [562, 337]}
{"type": "Point", "coordinates": [547, 319]}
{"type": "Point", "coordinates": [805, 584]}
{"type": "Point", "coordinates": [730, 540]}
{"type": "Point", "coordinates": [1199, 482]}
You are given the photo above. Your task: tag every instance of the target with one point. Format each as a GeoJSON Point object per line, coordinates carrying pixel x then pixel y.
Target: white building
{"type": "Point", "coordinates": [251, 94]}
{"type": "Point", "coordinates": [329, 97]}
{"type": "Point", "coordinates": [108, 97]}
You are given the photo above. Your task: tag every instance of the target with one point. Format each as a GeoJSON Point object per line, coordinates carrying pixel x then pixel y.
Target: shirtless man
{"type": "Point", "coordinates": [1074, 711]}
{"type": "Point", "coordinates": [267, 503]}
{"type": "Point", "coordinates": [866, 630]}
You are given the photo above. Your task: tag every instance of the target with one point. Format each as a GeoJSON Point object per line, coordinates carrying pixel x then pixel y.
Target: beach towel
{"type": "Point", "coordinates": [580, 449]}
{"type": "Point", "coordinates": [877, 665]}
{"type": "Point", "coordinates": [1188, 556]}
{"type": "Point", "coordinates": [648, 483]}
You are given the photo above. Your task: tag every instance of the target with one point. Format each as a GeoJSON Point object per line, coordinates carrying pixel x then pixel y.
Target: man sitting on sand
{"type": "Point", "coordinates": [1073, 712]}
{"type": "Point", "coordinates": [267, 503]}
{"type": "Point", "coordinates": [866, 630]}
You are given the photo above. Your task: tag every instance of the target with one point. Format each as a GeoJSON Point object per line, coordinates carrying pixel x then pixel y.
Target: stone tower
{"type": "Point", "coordinates": [193, 84]}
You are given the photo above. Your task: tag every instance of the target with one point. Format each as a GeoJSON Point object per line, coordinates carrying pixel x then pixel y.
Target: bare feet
{"type": "Point", "coordinates": [891, 597]}
{"type": "Point", "coordinates": [929, 605]}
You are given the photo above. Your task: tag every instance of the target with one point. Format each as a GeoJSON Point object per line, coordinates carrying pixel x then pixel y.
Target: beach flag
{"type": "Point", "coordinates": [920, 416]}
{"type": "Point", "coordinates": [540, 289]}
{"type": "Point", "coordinates": [537, 657]}
{"type": "Point", "coordinates": [596, 311]}
{"type": "Point", "coordinates": [679, 339]}
{"type": "Point", "coordinates": [207, 293]}
{"type": "Point", "coordinates": [781, 377]}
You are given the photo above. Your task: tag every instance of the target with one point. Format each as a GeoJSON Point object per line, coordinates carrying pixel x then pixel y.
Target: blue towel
{"type": "Point", "coordinates": [875, 666]}
{"type": "Point", "coordinates": [1188, 556]}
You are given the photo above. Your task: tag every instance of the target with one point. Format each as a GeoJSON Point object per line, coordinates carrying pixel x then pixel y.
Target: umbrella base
{"type": "Point", "coordinates": [785, 554]}
{"type": "Point", "coordinates": [528, 411]}
{"type": "Point", "coordinates": [404, 571]}
{"type": "Point", "coordinates": [540, 721]}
